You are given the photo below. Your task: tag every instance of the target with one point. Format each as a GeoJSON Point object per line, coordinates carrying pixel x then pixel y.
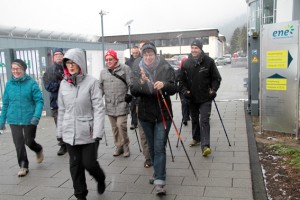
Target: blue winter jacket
{"type": "Point", "coordinates": [22, 100]}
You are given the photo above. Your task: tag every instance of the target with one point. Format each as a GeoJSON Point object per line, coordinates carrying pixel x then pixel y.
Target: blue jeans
{"type": "Point", "coordinates": [157, 139]}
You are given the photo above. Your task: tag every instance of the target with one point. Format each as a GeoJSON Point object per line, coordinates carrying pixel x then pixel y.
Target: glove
{"type": "Point", "coordinates": [212, 94]}
{"type": "Point", "coordinates": [98, 139]}
{"type": "Point", "coordinates": [2, 127]}
{"type": "Point", "coordinates": [187, 94]}
{"type": "Point", "coordinates": [59, 139]}
{"type": "Point", "coordinates": [128, 98]}
{"type": "Point", "coordinates": [35, 121]}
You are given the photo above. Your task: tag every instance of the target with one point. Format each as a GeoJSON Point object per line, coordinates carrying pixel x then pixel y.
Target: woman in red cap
{"type": "Point", "coordinates": [114, 81]}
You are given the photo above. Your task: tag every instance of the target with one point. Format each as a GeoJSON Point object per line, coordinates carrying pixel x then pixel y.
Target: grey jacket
{"type": "Point", "coordinates": [81, 109]}
{"type": "Point", "coordinates": [115, 90]}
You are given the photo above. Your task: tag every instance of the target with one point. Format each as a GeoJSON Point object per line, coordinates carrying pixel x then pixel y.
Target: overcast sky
{"type": "Point", "coordinates": [148, 15]}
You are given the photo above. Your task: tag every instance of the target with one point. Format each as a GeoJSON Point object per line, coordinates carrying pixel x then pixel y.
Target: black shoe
{"type": "Point", "coordinates": [62, 150]}
{"type": "Point", "coordinates": [101, 187]}
{"type": "Point", "coordinates": [185, 123]}
{"type": "Point", "coordinates": [133, 126]}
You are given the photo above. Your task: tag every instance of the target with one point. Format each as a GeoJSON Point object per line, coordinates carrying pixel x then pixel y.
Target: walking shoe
{"type": "Point", "coordinates": [159, 189]}
{"type": "Point", "coordinates": [39, 157]}
{"type": "Point", "coordinates": [147, 163]}
{"type": "Point", "coordinates": [151, 180]}
{"type": "Point", "coordinates": [133, 126]}
{"type": "Point", "coordinates": [206, 151]}
{"type": "Point", "coordinates": [118, 151]}
{"type": "Point", "coordinates": [126, 151]}
{"type": "Point", "coordinates": [101, 187]}
{"type": "Point", "coordinates": [23, 172]}
{"type": "Point", "coordinates": [62, 150]}
{"type": "Point", "coordinates": [185, 123]}
{"type": "Point", "coordinates": [194, 143]}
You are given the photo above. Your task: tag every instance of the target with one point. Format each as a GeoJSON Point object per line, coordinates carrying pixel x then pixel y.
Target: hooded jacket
{"type": "Point", "coordinates": [22, 100]}
{"type": "Point", "coordinates": [80, 106]}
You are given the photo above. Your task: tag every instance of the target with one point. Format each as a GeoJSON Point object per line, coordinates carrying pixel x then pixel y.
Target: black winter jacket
{"type": "Point", "coordinates": [149, 109]}
{"type": "Point", "coordinates": [52, 78]}
{"type": "Point", "coordinates": [199, 76]}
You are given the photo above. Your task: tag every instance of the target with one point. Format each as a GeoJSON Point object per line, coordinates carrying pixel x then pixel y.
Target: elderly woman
{"type": "Point", "coordinates": [154, 79]}
{"type": "Point", "coordinates": [22, 106]}
{"type": "Point", "coordinates": [80, 121]}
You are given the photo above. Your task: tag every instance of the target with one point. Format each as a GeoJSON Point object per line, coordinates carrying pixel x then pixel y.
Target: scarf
{"type": "Point", "coordinates": [150, 71]}
{"type": "Point", "coordinates": [71, 78]}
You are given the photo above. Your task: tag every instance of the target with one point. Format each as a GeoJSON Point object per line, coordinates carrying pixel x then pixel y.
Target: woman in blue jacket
{"type": "Point", "coordinates": [22, 106]}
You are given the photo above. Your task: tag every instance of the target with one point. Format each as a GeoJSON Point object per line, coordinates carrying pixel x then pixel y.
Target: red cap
{"type": "Point", "coordinates": [112, 53]}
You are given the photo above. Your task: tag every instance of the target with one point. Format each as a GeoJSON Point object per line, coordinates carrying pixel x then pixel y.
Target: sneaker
{"type": "Point", "coordinates": [206, 151]}
{"type": "Point", "coordinates": [126, 151]}
{"type": "Point", "coordinates": [159, 189]}
{"type": "Point", "coordinates": [40, 157]}
{"type": "Point", "coordinates": [23, 172]}
{"type": "Point", "coordinates": [62, 150]}
{"type": "Point", "coordinates": [194, 143]}
{"type": "Point", "coordinates": [118, 151]}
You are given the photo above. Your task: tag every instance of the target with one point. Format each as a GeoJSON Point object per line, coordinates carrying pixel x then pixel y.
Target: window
{"type": "Point", "coordinates": [269, 11]}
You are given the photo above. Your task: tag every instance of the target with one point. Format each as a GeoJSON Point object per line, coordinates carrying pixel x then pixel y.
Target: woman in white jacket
{"type": "Point", "coordinates": [80, 121]}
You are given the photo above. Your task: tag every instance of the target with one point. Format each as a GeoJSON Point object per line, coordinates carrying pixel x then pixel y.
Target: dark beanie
{"type": "Point", "coordinates": [197, 43]}
{"type": "Point", "coordinates": [149, 45]}
{"type": "Point", "coordinates": [20, 63]}
{"type": "Point", "coordinates": [58, 50]}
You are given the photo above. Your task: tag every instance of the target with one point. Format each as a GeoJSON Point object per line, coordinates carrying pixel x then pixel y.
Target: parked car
{"type": "Point", "coordinates": [227, 58]}
{"type": "Point", "coordinates": [174, 63]}
{"type": "Point", "coordinates": [220, 61]}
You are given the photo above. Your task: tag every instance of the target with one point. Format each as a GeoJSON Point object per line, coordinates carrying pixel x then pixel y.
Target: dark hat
{"type": "Point", "coordinates": [197, 43]}
{"type": "Point", "coordinates": [54, 50]}
{"type": "Point", "coordinates": [149, 45]}
{"type": "Point", "coordinates": [20, 63]}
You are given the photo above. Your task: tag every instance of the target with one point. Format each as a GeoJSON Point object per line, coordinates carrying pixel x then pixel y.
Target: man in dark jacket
{"type": "Point", "coordinates": [52, 78]}
{"type": "Point", "coordinates": [135, 53]}
{"type": "Point", "coordinates": [199, 83]}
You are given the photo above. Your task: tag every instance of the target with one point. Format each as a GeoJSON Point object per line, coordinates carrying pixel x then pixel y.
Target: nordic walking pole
{"type": "Point", "coordinates": [105, 138]}
{"type": "Point", "coordinates": [222, 122]}
{"type": "Point", "coordinates": [178, 135]}
{"type": "Point", "coordinates": [137, 138]}
{"type": "Point", "coordinates": [165, 125]}
{"type": "Point", "coordinates": [179, 132]}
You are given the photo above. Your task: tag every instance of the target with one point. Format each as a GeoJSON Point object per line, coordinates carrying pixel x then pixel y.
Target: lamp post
{"type": "Point", "coordinates": [128, 24]}
{"type": "Point", "coordinates": [179, 39]}
{"type": "Point", "coordinates": [101, 14]}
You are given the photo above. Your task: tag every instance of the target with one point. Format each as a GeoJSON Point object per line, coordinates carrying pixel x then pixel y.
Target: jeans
{"type": "Point", "coordinates": [201, 130]}
{"type": "Point", "coordinates": [157, 139]}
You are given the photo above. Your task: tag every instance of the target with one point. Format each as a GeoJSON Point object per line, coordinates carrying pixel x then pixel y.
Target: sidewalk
{"type": "Point", "coordinates": [224, 175]}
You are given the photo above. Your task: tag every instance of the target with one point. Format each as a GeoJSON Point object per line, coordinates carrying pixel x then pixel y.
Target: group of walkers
{"type": "Point", "coordinates": [142, 86]}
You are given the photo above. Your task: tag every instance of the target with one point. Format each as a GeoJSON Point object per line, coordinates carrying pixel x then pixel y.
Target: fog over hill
{"type": "Point", "coordinates": [228, 28]}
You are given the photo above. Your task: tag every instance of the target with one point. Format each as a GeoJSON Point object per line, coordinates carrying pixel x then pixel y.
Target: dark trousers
{"type": "Point", "coordinates": [54, 115]}
{"type": "Point", "coordinates": [24, 135]}
{"type": "Point", "coordinates": [185, 108]}
{"type": "Point", "coordinates": [84, 157]}
{"type": "Point", "coordinates": [201, 128]}
{"type": "Point", "coordinates": [133, 111]}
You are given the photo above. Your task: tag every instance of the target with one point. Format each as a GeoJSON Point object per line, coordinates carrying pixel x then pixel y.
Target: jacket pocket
{"type": "Point", "coordinates": [85, 125]}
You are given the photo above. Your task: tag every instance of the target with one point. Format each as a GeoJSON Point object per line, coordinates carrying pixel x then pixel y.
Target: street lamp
{"type": "Point", "coordinates": [179, 39]}
{"type": "Point", "coordinates": [128, 24]}
{"type": "Point", "coordinates": [101, 14]}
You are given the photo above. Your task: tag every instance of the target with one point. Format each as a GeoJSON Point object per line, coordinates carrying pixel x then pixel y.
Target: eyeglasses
{"type": "Point", "coordinates": [58, 54]}
{"type": "Point", "coordinates": [70, 63]}
{"type": "Point", "coordinates": [16, 69]}
{"type": "Point", "coordinates": [109, 59]}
